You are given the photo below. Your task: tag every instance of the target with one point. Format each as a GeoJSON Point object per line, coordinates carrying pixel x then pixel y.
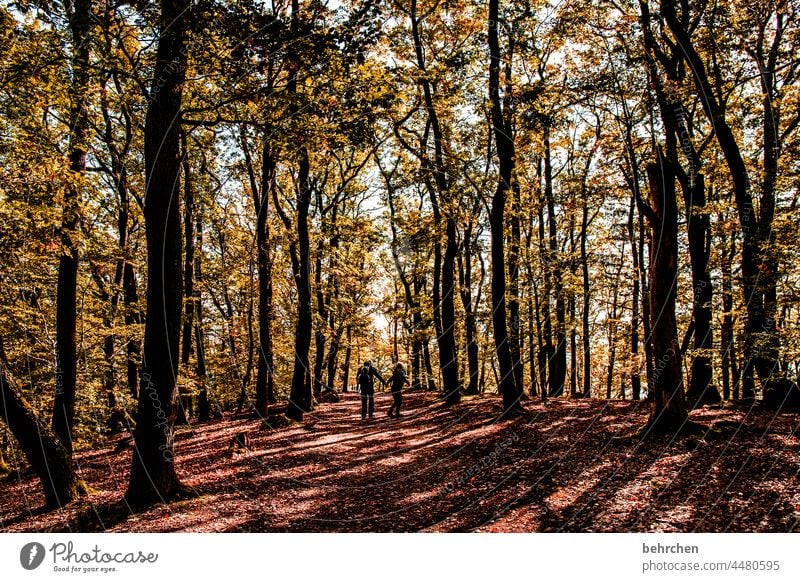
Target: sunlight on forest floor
{"type": "Point", "coordinates": [451, 469]}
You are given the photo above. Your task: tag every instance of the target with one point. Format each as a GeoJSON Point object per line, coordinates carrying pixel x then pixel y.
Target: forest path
{"type": "Point", "coordinates": [558, 468]}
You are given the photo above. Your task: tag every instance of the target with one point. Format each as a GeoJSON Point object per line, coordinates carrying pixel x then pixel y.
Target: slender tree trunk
{"type": "Point", "coordinates": [506, 157]}
{"type": "Point", "coordinates": [203, 401]}
{"type": "Point", "coordinates": [153, 476]}
{"type": "Point", "coordinates": [80, 24]}
{"type": "Point", "coordinates": [347, 355]}
{"type": "Point", "coordinates": [470, 328]}
{"type": "Point", "coordinates": [185, 399]}
{"type": "Point", "coordinates": [573, 334]}
{"type": "Point", "coordinates": [133, 347]}
{"type": "Point", "coordinates": [426, 357]}
{"type": "Point", "coordinates": [636, 378]}
{"type": "Point", "coordinates": [558, 358]}
{"type": "Point", "coordinates": [300, 394]}
{"type": "Point", "coordinates": [701, 391]}
{"type": "Point", "coordinates": [728, 348]}
{"type": "Point", "coordinates": [585, 331]}
{"type": "Point", "coordinates": [444, 266]}
{"type": "Point", "coordinates": [322, 313]}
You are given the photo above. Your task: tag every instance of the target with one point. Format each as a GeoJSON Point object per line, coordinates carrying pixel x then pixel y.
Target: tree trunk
{"type": "Point", "coordinates": [701, 391]}
{"type": "Point", "coordinates": [322, 313]}
{"type": "Point", "coordinates": [759, 267]}
{"type": "Point", "coordinates": [48, 457]}
{"type": "Point", "coordinates": [426, 357]}
{"type": "Point", "coordinates": [300, 395]}
{"type": "Point", "coordinates": [153, 476]}
{"type": "Point", "coordinates": [730, 373]}
{"type": "Point", "coordinates": [585, 333]}
{"type": "Point", "coordinates": [636, 377]}
{"type": "Point", "coordinates": [558, 356]}
{"type": "Point", "coordinates": [348, 352]}
{"type": "Point", "coordinates": [185, 399]}
{"type": "Point", "coordinates": [470, 328]}
{"type": "Point", "coordinates": [265, 380]}
{"type": "Point", "coordinates": [203, 402]}
{"type": "Point", "coordinates": [669, 410]}
{"type": "Point", "coordinates": [444, 279]}
{"type": "Point", "coordinates": [133, 346]}
{"type": "Point", "coordinates": [80, 24]}
{"type": "Point", "coordinates": [505, 156]}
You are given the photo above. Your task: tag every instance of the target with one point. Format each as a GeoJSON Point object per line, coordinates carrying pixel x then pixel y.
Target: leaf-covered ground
{"type": "Point", "coordinates": [561, 467]}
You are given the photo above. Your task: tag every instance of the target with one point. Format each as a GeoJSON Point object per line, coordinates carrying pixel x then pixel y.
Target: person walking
{"type": "Point", "coordinates": [396, 381]}
{"type": "Point", "coordinates": [366, 386]}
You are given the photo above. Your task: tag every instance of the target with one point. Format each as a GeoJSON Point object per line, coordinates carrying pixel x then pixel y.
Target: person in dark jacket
{"type": "Point", "coordinates": [366, 386]}
{"type": "Point", "coordinates": [396, 381]}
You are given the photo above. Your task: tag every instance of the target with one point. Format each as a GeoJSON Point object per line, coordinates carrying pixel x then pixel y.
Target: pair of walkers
{"type": "Point", "coordinates": [366, 385]}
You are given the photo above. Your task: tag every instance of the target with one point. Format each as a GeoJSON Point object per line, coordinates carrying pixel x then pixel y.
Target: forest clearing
{"type": "Point", "coordinates": [566, 466]}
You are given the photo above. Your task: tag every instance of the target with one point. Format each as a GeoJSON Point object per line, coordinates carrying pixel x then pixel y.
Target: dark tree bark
{"type": "Point", "coordinates": [506, 156]}
{"type": "Point", "coordinates": [557, 366]}
{"type": "Point", "coordinates": [444, 312]}
{"type": "Point", "coordinates": [48, 457]}
{"type": "Point", "coordinates": [79, 15]}
{"type": "Point", "coordinates": [265, 380]}
{"type": "Point", "coordinates": [203, 399]}
{"type": "Point", "coordinates": [300, 394]}
{"type": "Point", "coordinates": [636, 379]}
{"type": "Point", "coordinates": [322, 312]}
{"type": "Point", "coordinates": [348, 352]}
{"type": "Point", "coordinates": [677, 127]}
{"type": "Point", "coordinates": [585, 332]}
{"type": "Point", "coordinates": [470, 327]}
{"type": "Point", "coordinates": [118, 419]}
{"type": "Point", "coordinates": [547, 349]}
{"type": "Point", "coordinates": [185, 399]}
{"type": "Point", "coordinates": [759, 266]}
{"type": "Point", "coordinates": [133, 316]}
{"type": "Point", "coordinates": [300, 397]}
{"type": "Point", "coordinates": [730, 371]}
{"type": "Point", "coordinates": [263, 192]}
{"type": "Point", "coordinates": [571, 307]}
{"type": "Point", "coordinates": [153, 476]}
{"type": "Point", "coordinates": [668, 413]}
{"type": "Point", "coordinates": [125, 275]}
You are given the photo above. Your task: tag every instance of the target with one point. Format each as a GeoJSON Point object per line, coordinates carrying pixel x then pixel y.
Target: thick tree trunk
{"type": "Point", "coordinates": [48, 457]}
{"type": "Point", "coordinates": [505, 156]}
{"type": "Point", "coordinates": [669, 410]}
{"type": "Point", "coordinates": [153, 476]}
